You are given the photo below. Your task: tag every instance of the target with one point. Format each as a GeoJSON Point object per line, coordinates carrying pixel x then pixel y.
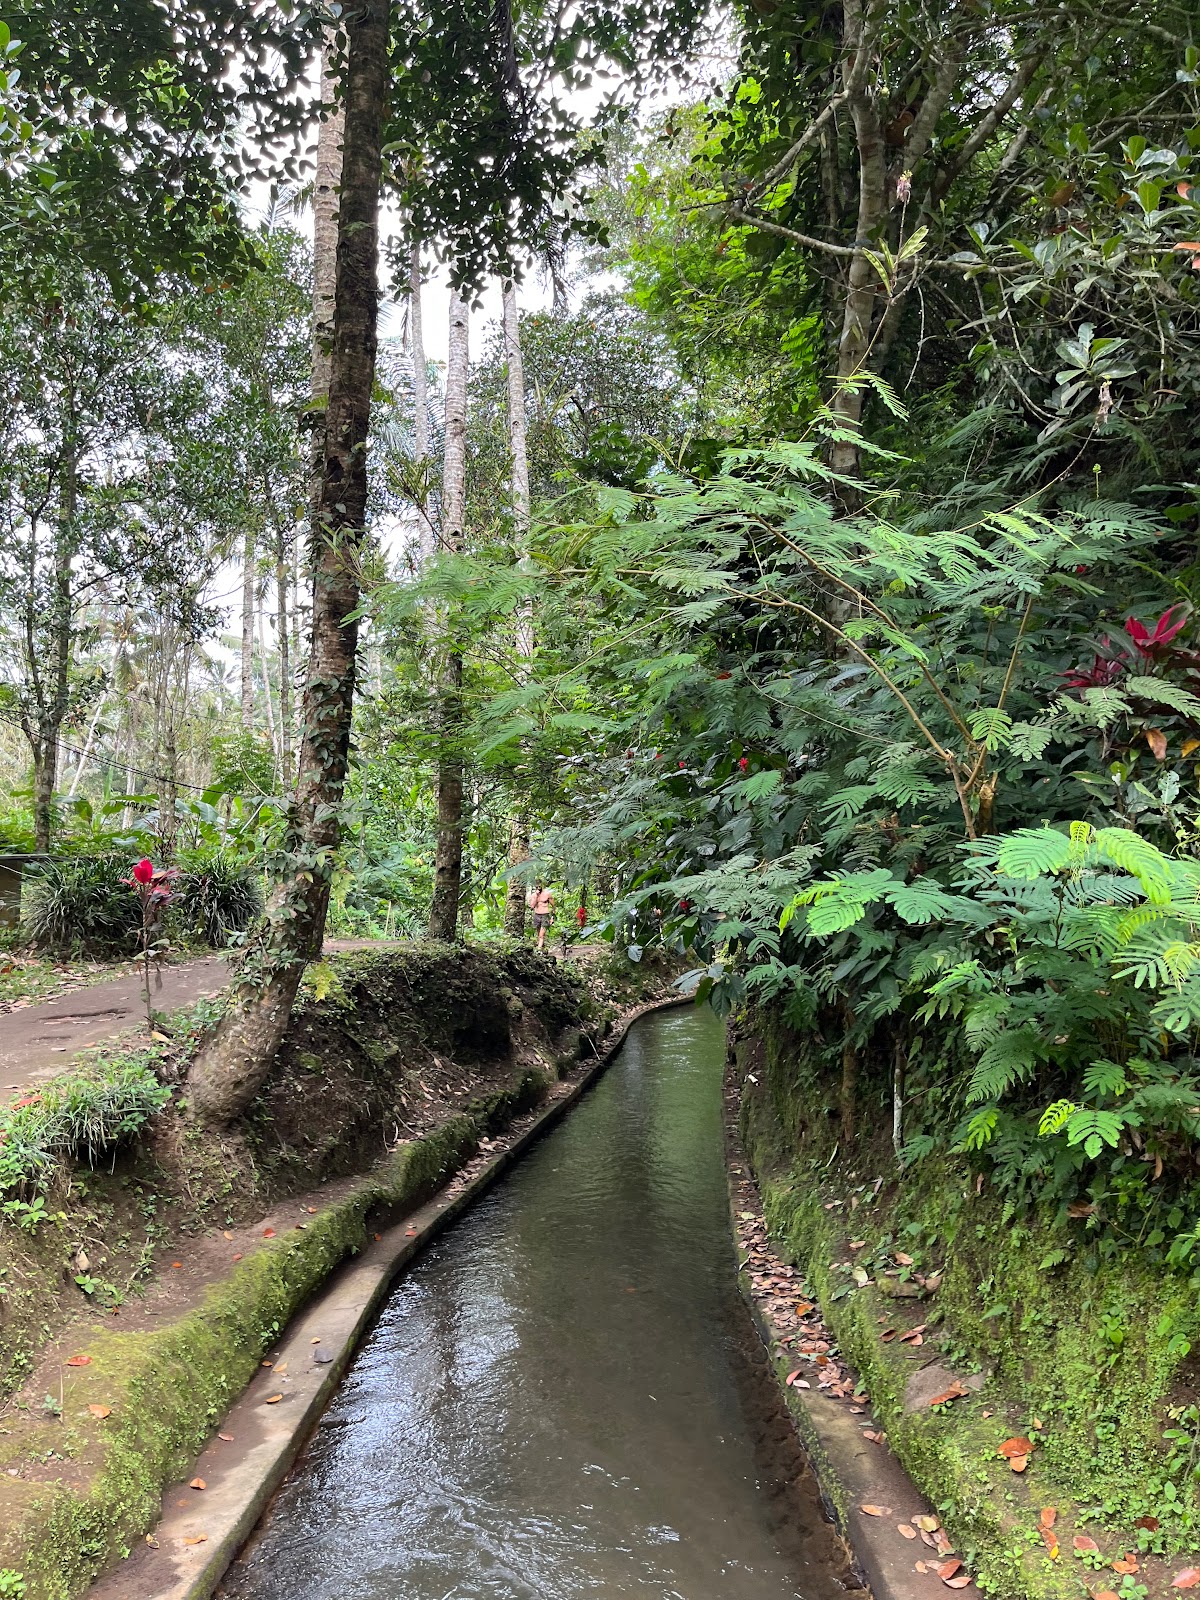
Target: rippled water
{"type": "Point", "coordinates": [563, 1398]}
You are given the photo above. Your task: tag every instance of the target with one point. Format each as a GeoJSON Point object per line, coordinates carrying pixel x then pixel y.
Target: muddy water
{"type": "Point", "coordinates": [563, 1399]}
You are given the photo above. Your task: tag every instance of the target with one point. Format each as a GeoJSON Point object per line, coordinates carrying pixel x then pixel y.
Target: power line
{"type": "Point", "coordinates": [156, 778]}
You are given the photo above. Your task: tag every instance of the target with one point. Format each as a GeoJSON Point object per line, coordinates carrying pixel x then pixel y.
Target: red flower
{"type": "Point", "coordinates": [743, 764]}
{"type": "Point", "coordinates": [684, 905]}
{"type": "Point", "coordinates": [683, 763]}
{"type": "Point", "coordinates": [1102, 671]}
{"type": "Point", "coordinates": [144, 871]}
{"type": "Point", "coordinates": [1168, 625]}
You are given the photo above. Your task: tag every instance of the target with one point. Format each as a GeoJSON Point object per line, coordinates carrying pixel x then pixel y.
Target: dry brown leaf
{"type": "Point", "coordinates": [927, 1524]}
{"type": "Point", "coordinates": [1018, 1463]}
{"type": "Point", "coordinates": [949, 1568]}
{"type": "Point", "coordinates": [1157, 740]}
{"type": "Point", "coordinates": [903, 1260]}
{"type": "Point", "coordinates": [1049, 1516]}
{"type": "Point", "coordinates": [1149, 1523]}
{"type": "Point", "coordinates": [1015, 1447]}
{"type": "Point", "coordinates": [79, 1361]}
{"type": "Point", "coordinates": [314, 1341]}
{"type": "Point", "coordinates": [954, 1392]}
{"type": "Point", "coordinates": [875, 1438]}
{"type": "Point", "coordinates": [273, 1399]}
{"type": "Point", "coordinates": [101, 1411]}
{"type": "Point", "coordinates": [858, 1244]}
{"type": "Point", "coordinates": [1106, 1594]}
{"type": "Point", "coordinates": [1187, 1579]}
{"type": "Point", "coordinates": [197, 1538]}
{"type": "Point", "coordinates": [1082, 1542]}
{"type": "Point", "coordinates": [804, 1308]}
{"type": "Point", "coordinates": [914, 1338]}
{"type": "Point", "coordinates": [197, 1483]}
{"type": "Point", "coordinates": [927, 1538]}
{"type": "Point", "coordinates": [268, 1233]}
{"type": "Point", "coordinates": [906, 1530]}
{"type": "Point", "coordinates": [1127, 1564]}
{"type": "Point", "coordinates": [961, 1582]}
{"type": "Point", "coordinates": [877, 1511]}
{"type": "Point", "coordinates": [1050, 1540]}
{"type": "Point", "coordinates": [228, 1437]}
{"type": "Point", "coordinates": [922, 1566]}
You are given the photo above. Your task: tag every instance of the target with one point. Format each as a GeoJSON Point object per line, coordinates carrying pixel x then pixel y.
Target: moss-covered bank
{"type": "Point", "coordinates": [1086, 1355]}
{"type": "Point", "coordinates": [424, 1050]}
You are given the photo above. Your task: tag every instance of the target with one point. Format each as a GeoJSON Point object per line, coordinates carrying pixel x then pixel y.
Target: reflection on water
{"type": "Point", "coordinates": [560, 1399]}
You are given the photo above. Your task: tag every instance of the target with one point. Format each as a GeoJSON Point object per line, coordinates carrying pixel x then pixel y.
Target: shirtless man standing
{"type": "Point", "coordinates": [542, 906]}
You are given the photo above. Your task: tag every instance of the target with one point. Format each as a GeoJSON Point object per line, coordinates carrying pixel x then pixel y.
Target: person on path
{"type": "Point", "coordinates": [542, 906]}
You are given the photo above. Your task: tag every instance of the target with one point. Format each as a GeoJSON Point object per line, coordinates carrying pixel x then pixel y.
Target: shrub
{"type": "Point", "coordinates": [75, 1117]}
{"type": "Point", "coordinates": [217, 894]}
{"type": "Point", "coordinates": [80, 903]}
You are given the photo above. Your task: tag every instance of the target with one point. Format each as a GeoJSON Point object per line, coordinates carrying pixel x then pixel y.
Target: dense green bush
{"type": "Point", "coordinates": [79, 903]}
{"type": "Point", "coordinates": [77, 1118]}
{"type": "Point", "coordinates": [217, 894]}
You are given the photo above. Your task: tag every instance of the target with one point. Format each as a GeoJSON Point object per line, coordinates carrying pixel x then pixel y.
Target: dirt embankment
{"type": "Point", "coordinates": [175, 1267]}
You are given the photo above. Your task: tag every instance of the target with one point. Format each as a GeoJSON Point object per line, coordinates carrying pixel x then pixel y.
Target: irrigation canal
{"type": "Point", "coordinates": [564, 1397]}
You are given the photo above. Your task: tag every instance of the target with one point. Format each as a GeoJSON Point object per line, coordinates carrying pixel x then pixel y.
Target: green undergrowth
{"type": "Point", "coordinates": [1087, 1354]}
{"type": "Point", "coordinates": [167, 1388]}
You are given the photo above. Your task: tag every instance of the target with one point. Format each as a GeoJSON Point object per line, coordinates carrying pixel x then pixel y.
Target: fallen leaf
{"type": "Point", "coordinates": [268, 1233]}
{"type": "Point", "coordinates": [1018, 1463]}
{"type": "Point", "coordinates": [949, 1568]}
{"type": "Point", "coordinates": [273, 1399]}
{"type": "Point", "coordinates": [1127, 1563]}
{"type": "Point", "coordinates": [922, 1566]}
{"type": "Point", "coordinates": [961, 1582]}
{"type": "Point", "coordinates": [954, 1392]}
{"type": "Point", "coordinates": [791, 1378]}
{"type": "Point", "coordinates": [875, 1438]}
{"type": "Point", "coordinates": [226, 1234]}
{"type": "Point", "coordinates": [197, 1538]}
{"type": "Point", "coordinates": [1050, 1540]}
{"type": "Point", "coordinates": [315, 1341]}
{"type": "Point", "coordinates": [101, 1411]}
{"type": "Point", "coordinates": [1082, 1542]}
{"type": "Point", "coordinates": [280, 1368]}
{"type": "Point", "coordinates": [1149, 1523]}
{"type": "Point", "coordinates": [876, 1511]}
{"type": "Point", "coordinates": [1106, 1594]}
{"type": "Point", "coordinates": [1157, 740]}
{"type": "Point", "coordinates": [858, 1244]}
{"type": "Point", "coordinates": [907, 1531]}
{"type": "Point", "coordinates": [903, 1260]}
{"type": "Point", "coordinates": [312, 1210]}
{"type": "Point", "coordinates": [1049, 1516]}
{"type": "Point", "coordinates": [238, 1257]}
{"type": "Point", "coordinates": [1015, 1447]}
{"type": "Point", "coordinates": [926, 1524]}
{"type": "Point", "coordinates": [268, 1363]}
{"type": "Point", "coordinates": [79, 1361]}
{"type": "Point", "coordinates": [161, 1037]}
{"type": "Point", "coordinates": [410, 1233]}
{"type": "Point", "coordinates": [197, 1483]}
{"type": "Point", "coordinates": [1187, 1579]}
{"type": "Point", "coordinates": [803, 1309]}
{"type": "Point", "coordinates": [175, 1266]}
{"type": "Point", "coordinates": [228, 1437]}
{"type": "Point", "coordinates": [152, 1541]}
{"type": "Point", "coordinates": [914, 1338]}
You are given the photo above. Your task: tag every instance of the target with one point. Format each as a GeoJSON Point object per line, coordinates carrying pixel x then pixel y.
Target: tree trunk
{"type": "Point", "coordinates": [447, 872]}
{"type": "Point", "coordinates": [248, 631]}
{"type": "Point", "coordinates": [285, 662]}
{"type": "Point", "coordinates": [862, 281]}
{"type": "Point", "coordinates": [231, 1067]}
{"type": "Point", "coordinates": [427, 536]}
{"type": "Point", "coordinates": [518, 827]}
{"type": "Point", "coordinates": [53, 706]}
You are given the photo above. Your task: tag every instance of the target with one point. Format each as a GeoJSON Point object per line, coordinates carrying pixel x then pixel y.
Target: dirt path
{"type": "Point", "coordinates": [37, 1041]}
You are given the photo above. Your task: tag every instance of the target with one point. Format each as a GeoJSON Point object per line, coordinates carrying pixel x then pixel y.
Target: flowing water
{"type": "Point", "coordinates": [564, 1398]}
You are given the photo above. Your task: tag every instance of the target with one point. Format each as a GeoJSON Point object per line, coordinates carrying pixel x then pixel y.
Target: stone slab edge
{"type": "Point", "coordinates": [850, 1471]}
{"type": "Point", "coordinates": [266, 1441]}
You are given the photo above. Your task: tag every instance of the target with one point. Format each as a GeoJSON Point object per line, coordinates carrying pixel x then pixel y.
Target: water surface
{"type": "Point", "coordinates": [563, 1398]}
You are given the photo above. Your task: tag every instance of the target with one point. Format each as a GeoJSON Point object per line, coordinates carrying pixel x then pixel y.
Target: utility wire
{"type": "Point", "coordinates": [156, 778]}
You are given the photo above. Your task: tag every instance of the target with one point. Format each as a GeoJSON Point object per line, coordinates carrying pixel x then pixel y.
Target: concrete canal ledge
{"type": "Point", "coordinates": [201, 1529]}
